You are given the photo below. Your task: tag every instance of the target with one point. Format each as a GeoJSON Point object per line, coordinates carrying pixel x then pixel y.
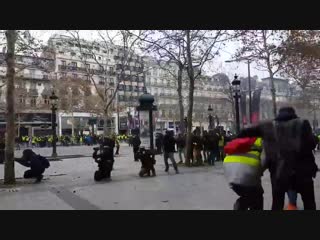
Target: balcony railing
{"type": "Point", "coordinates": [36, 76]}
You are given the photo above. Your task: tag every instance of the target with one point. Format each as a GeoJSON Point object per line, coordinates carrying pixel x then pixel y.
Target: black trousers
{"type": "Point", "coordinates": [117, 149]}
{"type": "Point", "coordinates": [249, 197]}
{"type": "Point", "coordinates": [135, 150]}
{"type": "Point", "coordinates": [303, 186]}
{"type": "Point", "coordinates": [31, 173]}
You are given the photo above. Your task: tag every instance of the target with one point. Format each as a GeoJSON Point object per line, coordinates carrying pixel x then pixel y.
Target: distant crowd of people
{"type": "Point", "coordinates": [207, 147]}
{"type": "Point", "coordinates": [64, 140]}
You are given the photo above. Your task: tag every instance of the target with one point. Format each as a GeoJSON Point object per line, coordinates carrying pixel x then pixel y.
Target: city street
{"type": "Point", "coordinates": [68, 184]}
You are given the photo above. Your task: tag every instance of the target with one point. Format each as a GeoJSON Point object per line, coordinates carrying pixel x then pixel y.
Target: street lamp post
{"type": "Point", "coordinates": [236, 88]}
{"type": "Point", "coordinates": [249, 86]}
{"type": "Point", "coordinates": [210, 117]}
{"type": "Point", "coordinates": [217, 120]}
{"type": "Point", "coordinates": [54, 100]}
{"type": "Point", "coordinates": [249, 82]}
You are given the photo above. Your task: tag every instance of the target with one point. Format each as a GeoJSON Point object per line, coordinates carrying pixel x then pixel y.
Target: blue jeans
{"type": "Point", "coordinates": [292, 195]}
{"type": "Point", "coordinates": [212, 157]}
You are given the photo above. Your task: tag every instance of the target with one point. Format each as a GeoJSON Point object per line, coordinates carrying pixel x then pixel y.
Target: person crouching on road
{"type": "Point", "coordinates": [37, 164]}
{"type": "Point", "coordinates": [243, 172]}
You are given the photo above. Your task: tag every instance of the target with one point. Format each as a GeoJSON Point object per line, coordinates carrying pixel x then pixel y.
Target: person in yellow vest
{"type": "Point", "coordinates": [117, 143]}
{"type": "Point", "coordinates": [243, 172]}
{"type": "Point", "coordinates": [221, 144]}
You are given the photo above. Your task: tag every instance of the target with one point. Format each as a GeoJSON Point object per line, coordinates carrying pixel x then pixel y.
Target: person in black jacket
{"type": "Point", "coordinates": [288, 144]}
{"type": "Point", "coordinates": [181, 143]}
{"type": "Point", "coordinates": [159, 140]}
{"type": "Point", "coordinates": [37, 164]}
{"type": "Point", "coordinates": [169, 149]}
{"type": "Point", "coordinates": [213, 146]}
{"type": "Point", "coordinates": [205, 146]}
{"type": "Point", "coordinates": [136, 142]}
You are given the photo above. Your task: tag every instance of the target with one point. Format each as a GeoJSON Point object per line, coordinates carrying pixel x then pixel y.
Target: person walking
{"type": "Point", "coordinates": [243, 171]}
{"type": "Point", "coordinates": [117, 143]}
{"type": "Point", "coordinates": [197, 148]}
{"type": "Point", "coordinates": [288, 143]}
{"type": "Point", "coordinates": [212, 147]}
{"type": "Point", "coordinates": [205, 146]}
{"type": "Point", "coordinates": [221, 144]}
{"type": "Point", "coordinates": [169, 149]}
{"type": "Point", "coordinates": [181, 143]}
{"type": "Point", "coordinates": [136, 142]}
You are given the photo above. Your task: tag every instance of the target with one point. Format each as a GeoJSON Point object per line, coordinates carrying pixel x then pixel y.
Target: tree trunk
{"type": "Point", "coordinates": [273, 95]}
{"type": "Point", "coordinates": [72, 124]}
{"type": "Point", "coordinates": [9, 174]}
{"type": "Point", "coordinates": [191, 90]}
{"type": "Point", "coordinates": [181, 107]}
{"type": "Point", "coordinates": [105, 126]}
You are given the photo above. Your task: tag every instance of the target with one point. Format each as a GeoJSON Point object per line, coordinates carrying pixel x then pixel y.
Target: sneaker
{"type": "Point", "coordinates": [166, 170]}
{"type": "Point", "coordinates": [291, 207]}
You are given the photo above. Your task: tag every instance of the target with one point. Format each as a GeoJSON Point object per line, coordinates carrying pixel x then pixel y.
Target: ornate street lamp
{"type": "Point", "coordinates": [236, 90]}
{"type": "Point", "coordinates": [54, 103]}
{"type": "Point", "coordinates": [145, 110]}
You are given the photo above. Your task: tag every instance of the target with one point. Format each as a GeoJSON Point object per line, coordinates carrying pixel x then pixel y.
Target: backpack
{"type": "Point", "coordinates": [239, 145]}
{"type": "Point", "coordinates": [44, 161]}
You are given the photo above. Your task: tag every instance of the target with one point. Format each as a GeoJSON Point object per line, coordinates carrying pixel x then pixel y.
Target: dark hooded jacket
{"type": "Point", "coordinates": [288, 144]}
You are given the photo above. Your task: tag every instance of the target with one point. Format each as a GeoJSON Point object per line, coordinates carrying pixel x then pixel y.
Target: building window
{"type": "Point", "coordinates": [87, 77]}
{"type": "Point", "coordinates": [33, 102]}
{"type": "Point", "coordinates": [111, 69]}
{"type": "Point", "coordinates": [63, 62]}
{"type": "Point", "coordinates": [74, 75]}
{"type": "Point", "coordinates": [74, 64]}
{"type": "Point", "coordinates": [22, 101]}
{"type": "Point", "coordinates": [39, 84]}
{"type": "Point", "coordinates": [45, 77]}
{"type": "Point", "coordinates": [73, 53]}
{"type": "Point", "coordinates": [61, 52]}
{"type": "Point", "coordinates": [46, 100]}
{"type": "Point", "coordinates": [87, 66]}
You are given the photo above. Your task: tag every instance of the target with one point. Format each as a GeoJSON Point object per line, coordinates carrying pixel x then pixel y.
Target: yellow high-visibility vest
{"type": "Point", "coordinates": [245, 168]}
{"type": "Point", "coordinates": [221, 141]}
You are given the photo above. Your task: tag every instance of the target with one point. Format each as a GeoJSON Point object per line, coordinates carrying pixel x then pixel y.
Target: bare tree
{"type": "Point", "coordinates": [265, 48]}
{"type": "Point", "coordinates": [302, 58]}
{"type": "Point", "coordinates": [124, 43]}
{"type": "Point", "coordinates": [169, 46]}
{"type": "Point", "coordinates": [74, 95]}
{"type": "Point", "coordinates": [16, 42]}
{"type": "Point", "coordinates": [201, 47]}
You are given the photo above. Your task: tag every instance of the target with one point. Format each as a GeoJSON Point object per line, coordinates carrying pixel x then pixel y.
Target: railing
{"type": "Point", "coordinates": [36, 76]}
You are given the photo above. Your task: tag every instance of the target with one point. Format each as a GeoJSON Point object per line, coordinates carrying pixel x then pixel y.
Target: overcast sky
{"type": "Point", "coordinates": [219, 65]}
